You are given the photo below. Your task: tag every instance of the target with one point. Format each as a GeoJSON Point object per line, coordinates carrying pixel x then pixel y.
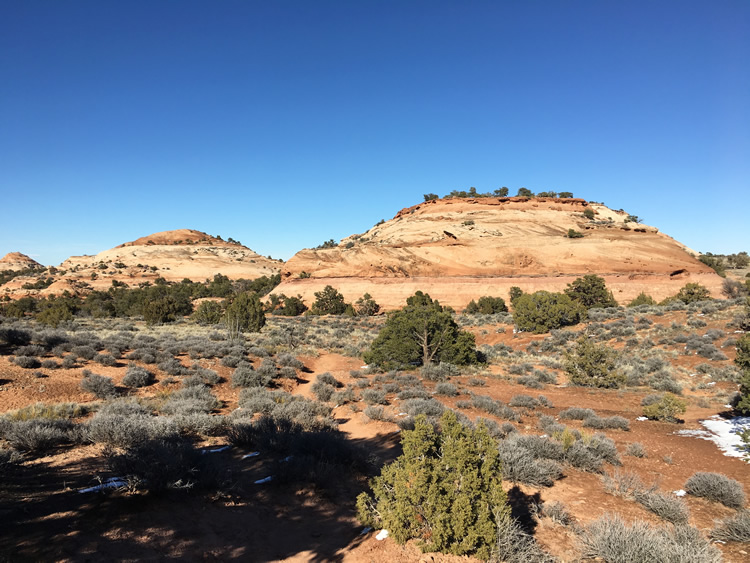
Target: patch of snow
{"type": "Point", "coordinates": [111, 483]}
{"type": "Point", "coordinates": [364, 366]}
{"type": "Point", "coordinates": [251, 454]}
{"type": "Point", "coordinates": [693, 374]}
{"type": "Point", "coordinates": [728, 407]}
{"type": "Point", "coordinates": [264, 480]}
{"type": "Point", "coordinates": [739, 331]}
{"type": "Point", "coordinates": [382, 534]}
{"type": "Point", "coordinates": [401, 414]}
{"type": "Point", "coordinates": [724, 432]}
{"type": "Point", "coordinates": [711, 383]}
{"type": "Point", "coordinates": [642, 418]}
{"type": "Point", "coordinates": [679, 493]}
{"type": "Point", "coordinates": [216, 450]}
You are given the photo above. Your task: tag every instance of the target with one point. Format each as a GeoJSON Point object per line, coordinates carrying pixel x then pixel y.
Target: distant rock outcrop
{"type": "Point", "coordinates": [172, 255]}
{"type": "Point", "coordinates": [17, 261]}
{"type": "Point", "coordinates": [460, 249]}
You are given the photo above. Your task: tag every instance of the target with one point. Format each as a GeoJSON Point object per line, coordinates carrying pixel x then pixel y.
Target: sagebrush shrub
{"type": "Point", "coordinates": [102, 387]}
{"type": "Point", "coordinates": [137, 376]}
{"type": "Point", "coordinates": [716, 487]}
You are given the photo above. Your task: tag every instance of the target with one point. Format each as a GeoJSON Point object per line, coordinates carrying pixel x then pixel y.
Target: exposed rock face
{"type": "Point", "coordinates": [173, 255]}
{"type": "Point", "coordinates": [461, 249]}
{"type": "Point", "coordinates": [17, 261]}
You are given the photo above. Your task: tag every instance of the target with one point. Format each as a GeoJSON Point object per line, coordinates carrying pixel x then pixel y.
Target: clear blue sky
{"type": "Point", "coordinates": [283, 124]}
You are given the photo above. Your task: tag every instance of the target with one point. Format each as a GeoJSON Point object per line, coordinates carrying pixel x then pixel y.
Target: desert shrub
{"type": "Point", "coordinates": [716, 487]}
{"type": "Point", "coordinates": [15, 336]}
{"type": "Point", "coordinates": [375, 413]}
{"type": "Point", "coordinates": [521, 466]}
{"type": "Point", "coordinates": [374, 397]}
{"type": "Point", "coordinates": [49, 411]}
{"type": "Point", "coordinates": [514, 545]}
{"type": "Point", "coordinates": [324, 391]}
{"type": "Point", "coordinates": [611, 540]}
{"type": "Point", "coordinates": [531, 382]}
{"type": "Point", "coordinates": [523, 401]}
{"type": "Point", "coordinates": [591, 291]}
{"type": "Point", "coordinates": [413, 393]}
{"type": "Point", "coordinates": [328, 301]}
{"type": "Point", "coordinates": [246, 376]}
{"type": "Point", "coordinates": [27, 362]}
{"type": "Point", "coordinates": [665, 506]}
{"type": "Point", "coordinates": [543, 311]}
{"type": "Point", "coordinates": [476, 382]}
{"type": "Point", "coordinates": [203, 375]}
{"type": "Point", "coordinates": [107, 360]}
{"type": "Point", "coordinates": [622, 484]}
{"type": "Point", "coordinates": [666, 408]}
{"type": "Point", "coordinates": [85, 352]}
{"type": "Point", "coordinates": [366, 306]}
{"type": "Point", "coordinates": [208, 313]}
{"type": "Point", "coordinates": [196, 398]}
{"type": "Point", "coordinates": [692, 292]}
{"type": "Point", "coordinates": [121, 430]}
{"type": "Point", "coordinates": [419, 334]}
{"type": "Point", "coordinates": [493, 407]}
{"type": "Point", "coordinates": [288, 360]}
{"type": "Point", "coordinates": [557, 512]}
{"type": "Point", "coordinates": [244, 314]}
{"type": "Point", "coordinates": [606, 423]}
{"type": "Point", "coordinates": [446, 389]}
{"type": "Point", "coordinates": [137, 376]}
{"type": "Point", "coordinates": [735, 528]}
{"type": "Point", "coordinates": [635, 449]}
{"type": "Point", "coordinates": [663, 381]}
{"type": "Point", "coordinates": [232, 361]}
{"type": "Point", "coordinates": [576, 413]}
{"type": "Point", "coordinates": [412, 495]}
{"type": "Point", "coordinates": [642, 299]}
{"type": "Point", "coordinates": [102, 387]}
{"type": "Point", "coordinates": [438, 372]}
{"type": "Point", "coordinates": [428, 407]}
{"type": "Point", "coordinates": [38, 434]}
{"type": "Point", "coordinates": [171, 462]}
{"type": "Point", "coordinates": [50, 364]}
{"type": "Point", "coordinates": [572, 233]}
{"type": "Point", "coordinates": [9, 457]}
{"type": "Point", "coordinates": [173, 366]}
{"type": "Point", "coordinates": [592, 365]}
{"type": "Point", "coordinates": [486, 306]}
{"type": "Point", "coordinates": [329, 379]}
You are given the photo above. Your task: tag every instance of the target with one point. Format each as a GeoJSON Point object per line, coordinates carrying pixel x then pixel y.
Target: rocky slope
{"type": "Point", "coordinates": [460, 249]}
{"type": "Point", "coordinates": [173, 255]}
{"type": "Point", "coordinates": [16, 261]}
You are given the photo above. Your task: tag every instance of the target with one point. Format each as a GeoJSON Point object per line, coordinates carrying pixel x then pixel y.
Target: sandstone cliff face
{"type": "Point", "coordinates": [173, 255]}
{"type": "Point", "coordinates": [16, 261]}
{"type": "Point", "coordinates": [461, 249]}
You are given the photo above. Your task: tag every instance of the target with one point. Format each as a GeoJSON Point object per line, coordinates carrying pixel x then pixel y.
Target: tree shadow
{"type": "Point", "coordinates": [47, 518]}
{"type": "Point", "coordinates": [523, 508]}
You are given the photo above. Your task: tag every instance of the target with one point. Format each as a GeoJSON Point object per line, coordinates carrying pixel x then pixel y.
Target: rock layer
{"type": "Point", "coordinates": [461, 249]}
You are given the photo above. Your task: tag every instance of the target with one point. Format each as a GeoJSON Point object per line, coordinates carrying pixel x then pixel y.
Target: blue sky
{"type": "Point", "coordinates": [283, 124]}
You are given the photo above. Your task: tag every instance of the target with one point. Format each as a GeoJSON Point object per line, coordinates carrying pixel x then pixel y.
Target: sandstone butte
{"type": "Point", "coordinates": [16, 261]}
{"type": "Point", "coordinates": [172, 255]}
{"type": "Point", "coordinates": [461, 249]}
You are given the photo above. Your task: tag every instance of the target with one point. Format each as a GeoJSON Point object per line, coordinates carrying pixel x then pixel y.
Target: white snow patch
{"type": "Point", "coordinates": [364, 366]}
{"type": "Point", "coordinates": [111, 483]}
{"type": "Point", "coordinates": [711, 383]}
{"type": "Point", "coordinates": [642, 418]}
{"type": "Point", "coordinates": [680, 493]}
{"type": "Point", "coordinates": [724, 432]}
{"type": "Point", "coordinates": [382, 534]}
{"type": "Point", "coordinates": [264, 480]}
{"type": "Point", "coordinates": [216, 450]}
{"type": "Point", "coordinates": [251, 454]}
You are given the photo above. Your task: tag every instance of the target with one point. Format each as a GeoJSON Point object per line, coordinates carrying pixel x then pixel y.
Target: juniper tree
{"type": "Point", "coordinates": [445, 489]}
